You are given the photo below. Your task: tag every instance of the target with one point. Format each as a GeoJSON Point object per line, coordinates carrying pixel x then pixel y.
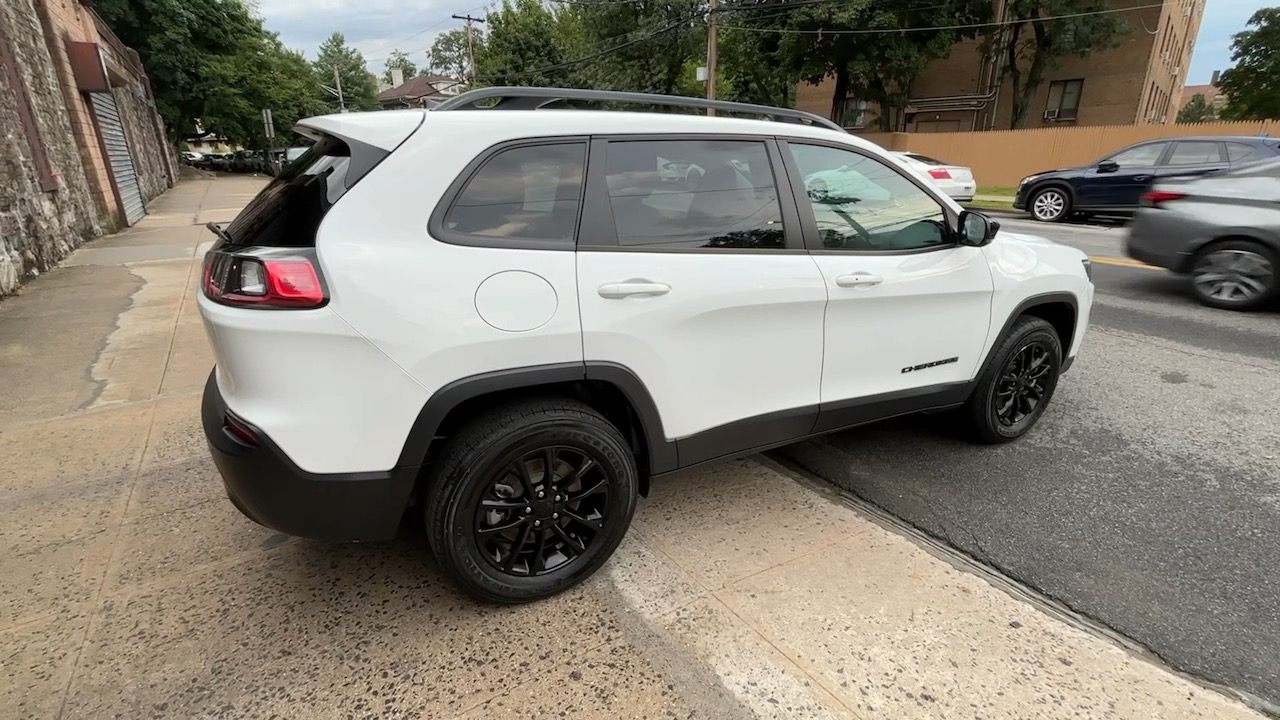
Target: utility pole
{"type": "Point", "coordinates": [471, 45]}
{"type": "Point", "coordinates": [711, 55]}
{"type": "Point", "coordinates": [337, 83]}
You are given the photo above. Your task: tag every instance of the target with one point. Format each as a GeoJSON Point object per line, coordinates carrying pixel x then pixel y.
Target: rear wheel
{"type": "Point", "coordinates": [530, 500]}
{"type": "Point", "coordinates": [1050, 205]}
{"type": "Point", "coordinates": [1234, 275]}
{"type": "Point", "coordinates": [1017, 385]}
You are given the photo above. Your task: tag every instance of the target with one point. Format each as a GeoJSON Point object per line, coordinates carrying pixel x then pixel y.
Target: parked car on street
{"type": "Point", "coordinates": [189, 157]}
{"type": "Point", "coordinates": [216, 161]}
{"type": "Point", "coordinates": [955, 180]}
{"type": "Point", "coordinates": [514, 343]}
{"type": "Point", "coordinates": [247, 161]}
{"type": "Point", "coordinates": [1222, 231]}
{"type": "Point", "coordinates": [1114, 184]}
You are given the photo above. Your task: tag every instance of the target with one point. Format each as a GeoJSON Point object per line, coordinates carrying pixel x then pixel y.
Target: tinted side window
{"type": "Point", "coordinates": [1194, 153]}
{"type": "Point", "coordinates": [526, 192]}
{"type": "Point", "coordinates": [693, 193]}
{"type": "Point", "coordinates": [1141, 156]}
{"type": "Point", "coordinates": [1238, 151]}
{"type": "Point", "coordinates": [860, 203]}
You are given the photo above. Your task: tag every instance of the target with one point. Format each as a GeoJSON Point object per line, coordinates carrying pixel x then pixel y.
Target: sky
{"type": "Point", "coordinates": [375, 27]}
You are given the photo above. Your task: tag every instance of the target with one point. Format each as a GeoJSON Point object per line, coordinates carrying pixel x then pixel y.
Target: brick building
{"type": "Point", "coordinates": [82, 148]}
{"type": "Point", "coordinates": [1139, 81]}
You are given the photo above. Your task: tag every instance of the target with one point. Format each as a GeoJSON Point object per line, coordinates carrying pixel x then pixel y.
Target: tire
{"type": "Point", "coordinates": [983, 414]}
{"type": "Point", "coordinates": [560, 538]}
{"type": "Point", "coordinates": [1235, 275]}
{"type": "Point", "coordinates": [1052, 204]}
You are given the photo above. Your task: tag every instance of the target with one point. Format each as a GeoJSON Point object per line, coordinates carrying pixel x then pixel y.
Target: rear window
{"type": "Point", "coordinates": [288, 211]}
{"type": "Point", "coordinates": [925, 159]}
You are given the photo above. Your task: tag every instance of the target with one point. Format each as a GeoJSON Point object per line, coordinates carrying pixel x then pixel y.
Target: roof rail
{"type": "Point", "coordinates": [534, 98]}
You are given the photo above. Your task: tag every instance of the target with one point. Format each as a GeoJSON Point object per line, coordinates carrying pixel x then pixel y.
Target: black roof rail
{"type": "Point", "coordinates": [534, 98]}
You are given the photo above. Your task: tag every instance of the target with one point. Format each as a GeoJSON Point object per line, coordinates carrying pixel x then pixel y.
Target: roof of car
{"type": "Point", "coordinates": [386, 128]}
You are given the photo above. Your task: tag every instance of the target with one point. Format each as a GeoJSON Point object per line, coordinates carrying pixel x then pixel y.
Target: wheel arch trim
{"type": "Point", "coordinates": [662, 453]}
{"type": "Point", "coordinates": [1042, 299]}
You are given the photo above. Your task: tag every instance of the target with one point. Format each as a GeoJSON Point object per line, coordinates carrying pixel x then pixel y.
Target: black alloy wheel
{"type": "Point", "coordinates": [528, 500]}
{"type": "Point", "coordinates": [532, 521]}
{"type": "Point", "coordinates": [1023, 385]}
{"type": "Point", "coordinates": [1017, 383]}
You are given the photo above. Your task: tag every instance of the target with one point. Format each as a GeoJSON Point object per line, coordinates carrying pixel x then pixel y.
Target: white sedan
{"type": "Point", "coordinates": [953, 180]}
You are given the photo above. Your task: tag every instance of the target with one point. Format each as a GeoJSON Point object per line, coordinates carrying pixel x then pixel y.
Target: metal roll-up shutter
{"type": "Point", "coordinates": [118, 156]}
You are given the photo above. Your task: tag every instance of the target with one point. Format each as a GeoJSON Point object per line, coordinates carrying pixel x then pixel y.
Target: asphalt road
{"type": "Point", "coordinates": [1148, 497]}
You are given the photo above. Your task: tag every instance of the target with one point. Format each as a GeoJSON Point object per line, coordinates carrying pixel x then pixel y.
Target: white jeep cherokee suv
{"type": "Point", "coordinates": [511, 318]}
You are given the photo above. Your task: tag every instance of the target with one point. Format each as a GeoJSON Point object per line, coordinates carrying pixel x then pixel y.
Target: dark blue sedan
{"type": "Point", "coordinates": [1114, 184]}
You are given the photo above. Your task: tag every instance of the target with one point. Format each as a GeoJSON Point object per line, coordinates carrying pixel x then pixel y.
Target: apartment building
{"type": "Point", "coordinates": [1138, 81]}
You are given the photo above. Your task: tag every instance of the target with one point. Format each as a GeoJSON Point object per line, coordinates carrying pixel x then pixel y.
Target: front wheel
{"type": "Point", "coordinates": [1234, 275]}
{"type": "Point", "coordinates": [530, 500]}
{"type": "Point", "coordinates": [1017, 385]}
{"type": "Point", "coordinates": [1050, 205]}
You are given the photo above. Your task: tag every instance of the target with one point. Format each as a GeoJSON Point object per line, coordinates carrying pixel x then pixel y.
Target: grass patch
{"type": "Point", "coordinates": [997, 190]}
{"type": "Point", "coordinates": [995, 204]}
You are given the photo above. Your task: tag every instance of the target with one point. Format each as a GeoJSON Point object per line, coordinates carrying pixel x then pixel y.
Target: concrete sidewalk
{"type": "Point", "coordinates": [132, 588]}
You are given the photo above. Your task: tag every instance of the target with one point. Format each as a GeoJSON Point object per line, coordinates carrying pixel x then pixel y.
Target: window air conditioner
{"type": "Point", "coordinates": [1050, 114]}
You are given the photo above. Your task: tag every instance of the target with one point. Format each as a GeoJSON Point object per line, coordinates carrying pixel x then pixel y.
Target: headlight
{"type": "Point", "coordinates": [1027, 179]}
{"type": "Point", "coordinates": [1088, 268]}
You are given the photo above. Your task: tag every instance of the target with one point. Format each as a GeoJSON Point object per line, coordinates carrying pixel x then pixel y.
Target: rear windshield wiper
{"type": "Point", "coordinates": [216, 229]}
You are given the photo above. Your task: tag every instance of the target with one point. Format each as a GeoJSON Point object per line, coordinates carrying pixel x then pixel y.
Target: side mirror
{"type": "Point", "coordinates": [1108, 166]}
{"type": "Point", "coordinates": [976, 229]}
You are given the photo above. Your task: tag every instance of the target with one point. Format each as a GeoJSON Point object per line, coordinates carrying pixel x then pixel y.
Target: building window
{"type": "Point", "coordinates": [855, 113]}
{"type": "Point", "coordinates": [1064, 100]}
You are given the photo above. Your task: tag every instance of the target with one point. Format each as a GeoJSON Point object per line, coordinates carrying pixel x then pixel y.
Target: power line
{"type": "Point", "coordinates": [420, 33]}
{"type": "Point", "coordinates": [969, 26]}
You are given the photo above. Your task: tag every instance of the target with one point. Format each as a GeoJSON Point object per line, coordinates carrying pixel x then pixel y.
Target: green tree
{"type": "Point", "coordinates": [213, 64]}
{"type": "Point", "coordinates": [641, 46]}
{"type": "Point", "coordinates": [858, 45]}
{"type": "Point", "coordinates": [1253, 85]}
{"type": "Point", "coordinates": [359, 87]}
{"type": "Point", "coordinates": [264, 74]}
{"type": "Point", "coordinates": [1043, 36]}
{"type": "Point", "coordinates": [400, 60]}
{"type": "Point", "coordinates": [180, 42]}
{"type": "Point", "coordinates": [449, 53]}
{"type": "Point", "coordinates": [1197, 110]}
{"type": "Point", "coordinates": [521, 42]}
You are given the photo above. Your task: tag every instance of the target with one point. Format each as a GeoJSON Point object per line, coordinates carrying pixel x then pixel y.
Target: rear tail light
{"type": "Point", "coordinates": [939, 173]}
{"type": "Point", "coordinates": [1153, 198]}
{"type": "Point", "coordinates": [265, 282]}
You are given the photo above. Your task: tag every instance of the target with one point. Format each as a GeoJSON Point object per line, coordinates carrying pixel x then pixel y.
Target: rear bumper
{"type": "Point", "coordinates": [1162, 238]}
{"type": "Point", "coordinates": [270, 489]}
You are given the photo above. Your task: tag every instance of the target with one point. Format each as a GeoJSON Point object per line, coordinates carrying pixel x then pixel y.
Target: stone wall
{"type": "Point", "coordinates": [56, 190]}
{"type": "Point", "coordinates": [38, 228]}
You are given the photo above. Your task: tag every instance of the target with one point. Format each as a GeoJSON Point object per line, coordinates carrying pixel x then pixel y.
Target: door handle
{"type": "Point", "coordinates": [859, 279]}
{"type": "Point", "coordinates": [1142, 178]}
{"type": "Point", "coordinates": [632, 288]}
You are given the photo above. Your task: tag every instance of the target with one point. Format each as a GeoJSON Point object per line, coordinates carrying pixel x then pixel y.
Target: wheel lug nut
{"type": "Point", "coordinates": [542, 494]}
{"type": "Point", "coordinates": [557, 498]}
{"type": "Point", "coordinates": [528, 510]}
{"type": "Point", "coordinates": [555, 516]}
{"type": "Point", "coordinates": [537, 523]}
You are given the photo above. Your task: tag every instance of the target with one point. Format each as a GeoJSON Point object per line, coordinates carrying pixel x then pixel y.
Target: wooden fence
{"type": "Point", "coordinates": [1003, 157]}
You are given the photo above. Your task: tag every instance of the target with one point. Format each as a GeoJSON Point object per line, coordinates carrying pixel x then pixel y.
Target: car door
{"type": "Point", "coordinates": [700, 286]}
{"type": "Point", "coordinates": [1194, 157]}
{"type": "Point", "coordinates": [1119, 180]}
{"type": "Point", "coordinates": [908, 308]}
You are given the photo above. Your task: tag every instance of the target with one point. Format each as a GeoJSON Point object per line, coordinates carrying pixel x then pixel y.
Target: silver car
{"type": "Point", "coordinates": [1222, 230]}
